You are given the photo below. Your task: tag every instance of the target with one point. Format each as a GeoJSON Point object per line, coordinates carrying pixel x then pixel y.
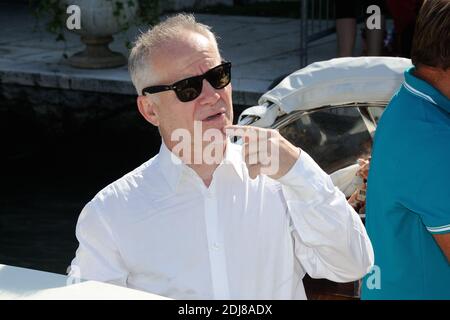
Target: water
{"type": "Point", "coordinates": [47, 179]}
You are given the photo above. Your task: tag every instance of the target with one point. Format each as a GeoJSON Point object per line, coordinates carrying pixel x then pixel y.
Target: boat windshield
{"type": "Point", "coordinates": [334, 137]}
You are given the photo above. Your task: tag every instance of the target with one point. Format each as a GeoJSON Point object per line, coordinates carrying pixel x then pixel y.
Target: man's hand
{"type": "Point", "coordinates": [266, 151]}
{"type": "Point", "coordinates": [364, 166]}
{"type": "Point", "coordinates": [358, 199]}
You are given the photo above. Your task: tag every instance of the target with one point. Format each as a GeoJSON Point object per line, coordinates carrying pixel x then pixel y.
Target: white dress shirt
{"type": "Point", "coordinates": [160, 229]}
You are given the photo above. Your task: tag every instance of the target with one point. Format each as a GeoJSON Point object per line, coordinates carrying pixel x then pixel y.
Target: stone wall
{"type": "Point", "coordinates": [54, 112]}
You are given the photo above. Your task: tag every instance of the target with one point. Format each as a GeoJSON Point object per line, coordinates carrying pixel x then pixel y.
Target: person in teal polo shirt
{"type": "Point", "coordinates": [408, 189]}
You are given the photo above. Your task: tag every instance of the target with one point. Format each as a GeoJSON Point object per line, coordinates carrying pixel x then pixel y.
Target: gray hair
{"type": "Point", "coordinates": [148, 43]}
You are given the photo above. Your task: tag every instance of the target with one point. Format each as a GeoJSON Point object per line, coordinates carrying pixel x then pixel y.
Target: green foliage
{"type": "Point", "coordinates": [55, 10]}
{"type": "Point", "coordinates": [148, 12]}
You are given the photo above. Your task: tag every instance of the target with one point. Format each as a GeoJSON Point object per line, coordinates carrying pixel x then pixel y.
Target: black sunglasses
{"type": "Point", "coordinates": [190, 88]}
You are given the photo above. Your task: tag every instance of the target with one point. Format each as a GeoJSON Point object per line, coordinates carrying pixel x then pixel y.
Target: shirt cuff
{"type": "Point", "coordinates": [306, 173]}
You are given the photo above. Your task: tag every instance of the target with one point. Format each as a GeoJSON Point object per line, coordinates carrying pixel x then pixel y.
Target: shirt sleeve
{"type": "Point", "coordinates": [97, 257]}
{"type": "Point", "coordinates": [330, 239]}
{"type": "Point", "coordinates": [430, 193]}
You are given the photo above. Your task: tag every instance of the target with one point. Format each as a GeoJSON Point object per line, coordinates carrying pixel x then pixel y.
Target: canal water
{"type": "Point", "coordinates": [46, 179]}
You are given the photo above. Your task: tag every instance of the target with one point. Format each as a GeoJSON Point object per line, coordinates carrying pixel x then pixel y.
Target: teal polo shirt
{"type": "Point", "coordinates": [408, 195]}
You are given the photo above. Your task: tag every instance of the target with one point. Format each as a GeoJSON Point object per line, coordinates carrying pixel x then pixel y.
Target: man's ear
{"type": "Point", "coordinates": [148, 108]}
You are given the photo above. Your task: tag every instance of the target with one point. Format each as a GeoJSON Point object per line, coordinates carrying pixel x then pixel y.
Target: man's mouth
{"type": "Point", "coordinates": [214, 116]}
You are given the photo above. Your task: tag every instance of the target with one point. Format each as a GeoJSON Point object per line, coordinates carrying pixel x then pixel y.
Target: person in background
{"type": "Point", "coordinates": [408, 193]}
{"type": "Point", "coordinates": [346, 15]}
{"type": "Point", "coordinates": [404, 13]}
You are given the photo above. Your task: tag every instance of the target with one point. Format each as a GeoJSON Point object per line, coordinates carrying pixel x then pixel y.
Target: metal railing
{"type": "Point", "coordinates": [317, 20]}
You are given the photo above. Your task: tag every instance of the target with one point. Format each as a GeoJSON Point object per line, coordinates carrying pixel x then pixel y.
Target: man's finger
{"type": "Point", "coordinates": [240, 131]}
{"type": "Point", "coordinates": [254, 170]}
{"type": "Point", "coordinates": [250, 156]}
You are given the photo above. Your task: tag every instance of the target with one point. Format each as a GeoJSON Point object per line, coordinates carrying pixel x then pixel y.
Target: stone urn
{"type": "Point", "coordinates": [98, 24]}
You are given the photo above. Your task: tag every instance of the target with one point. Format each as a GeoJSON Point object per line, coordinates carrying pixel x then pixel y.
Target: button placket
{"type": "Point", "coordinates": [217, 258]}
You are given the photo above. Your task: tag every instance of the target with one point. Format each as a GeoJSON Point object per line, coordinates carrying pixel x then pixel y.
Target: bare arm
{"type": "Point", "coordinates": [443, 240]}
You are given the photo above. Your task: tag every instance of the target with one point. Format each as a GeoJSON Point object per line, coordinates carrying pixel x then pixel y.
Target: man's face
{"type": "Point", "coordinates": [192, 55]}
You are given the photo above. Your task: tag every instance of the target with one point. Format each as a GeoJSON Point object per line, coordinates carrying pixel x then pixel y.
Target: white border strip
{"type": "Point", "coordinates": [439, 229]}
{"type": "Point", "coordinates": [418, 93]}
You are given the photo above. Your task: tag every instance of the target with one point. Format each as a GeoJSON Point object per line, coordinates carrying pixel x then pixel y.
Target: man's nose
{"type": "Point", "coordinates": [209, 95]}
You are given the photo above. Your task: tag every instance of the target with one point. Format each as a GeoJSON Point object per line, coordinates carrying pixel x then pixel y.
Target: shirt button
{"type": "Point", "coordinates": [215, 246]}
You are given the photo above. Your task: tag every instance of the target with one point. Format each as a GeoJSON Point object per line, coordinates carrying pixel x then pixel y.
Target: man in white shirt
{"type": "Point", "coordinates": [214, 220]}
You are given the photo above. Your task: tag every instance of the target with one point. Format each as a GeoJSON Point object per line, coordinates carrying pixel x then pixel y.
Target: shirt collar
{"type": "Point", "coordinates": [424, 90]}
{"type": "Point", "coordinates": [172, 166]}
